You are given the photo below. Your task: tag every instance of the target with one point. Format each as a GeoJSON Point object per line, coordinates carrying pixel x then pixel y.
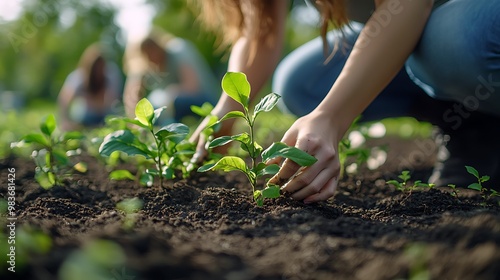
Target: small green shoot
{"type": "Point", "coordinates": [167, 149]}
{"type": "Point", "coordinates": [236, 85]}
{"type": "Point", "coordinates": [130, 207]}
{"type": "Point", "coordinates": [404, 186]}
{"type": "Point", "coordinates": [454, 190]}
{"type": "Point", "coordinates": [485, 192]}
{"type": "Point", "coordinates": [52, 152]}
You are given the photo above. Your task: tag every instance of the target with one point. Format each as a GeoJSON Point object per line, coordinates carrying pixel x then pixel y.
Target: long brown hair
{"type": "Point", "coordinates": [228, 18]}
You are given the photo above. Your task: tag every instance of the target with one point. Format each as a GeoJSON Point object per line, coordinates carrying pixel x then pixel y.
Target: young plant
{"type": "Point", "coordinates": [404, 186]}
{"type": "Point", "coordinates": [485, 192]}
{"type": "Point", "coordinates": [236, 85]}
{"type": "Point", "coordinates": [454, 191]}
{"type": "Point", "coordinates": [52, 152]}
{"type": "Point", "coordinates": [165, 146]}
{"type": "Point", "coordinates": [130, 207]}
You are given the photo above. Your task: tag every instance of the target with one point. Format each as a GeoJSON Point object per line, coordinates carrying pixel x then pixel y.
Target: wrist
{"type": "Point", "coordinates": [338, 123]}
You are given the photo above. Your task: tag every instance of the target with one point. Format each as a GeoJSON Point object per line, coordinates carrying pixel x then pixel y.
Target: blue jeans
{"type": "Point", "coordinates": [457, 59]}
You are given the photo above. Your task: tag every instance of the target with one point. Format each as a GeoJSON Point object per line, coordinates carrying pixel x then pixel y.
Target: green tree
{"type": "Point", "coordinates": [41, 47]}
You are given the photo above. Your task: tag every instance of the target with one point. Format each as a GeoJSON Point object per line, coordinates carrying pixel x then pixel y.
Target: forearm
{"type": "Point", "coordinates": [259, 67]}
{"type": "Point", "coordinates": [131, 95]}
{"type": "Point", "coordinates": [379, 53]}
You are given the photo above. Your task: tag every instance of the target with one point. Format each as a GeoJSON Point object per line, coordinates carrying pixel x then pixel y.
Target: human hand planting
{"type": "Point", "coordinates": [315, 135]}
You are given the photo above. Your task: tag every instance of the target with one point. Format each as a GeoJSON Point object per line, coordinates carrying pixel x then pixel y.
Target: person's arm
{"type": "Point", "coordinates": [258, 70]}
{"type": "Point", "coordinates": [132, 93]}
{"type": "Point", "coordinates": [189, 80]}
{"type": "Point", "coordinates": [381, 50]}
{"type": "Point", "coordinates": [64, 99]}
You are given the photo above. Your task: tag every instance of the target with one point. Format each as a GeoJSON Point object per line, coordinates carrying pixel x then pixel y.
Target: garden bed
{"type": "Point", "coordinates": [208, 227]}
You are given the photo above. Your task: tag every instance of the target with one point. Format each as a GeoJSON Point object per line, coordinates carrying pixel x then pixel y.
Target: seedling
{"type": "Point", "coordinates": [130, 207]}
{"type": "Point", "coordinates": [485, 192]}
{"type": "Point", "coordinates": [236, 85]}
{"type": "Point", "coordinates": [404, 186]}
{"type": "Point", "coordinates": [454, 191]}
{"type": "Point", "coordinates": [167, 148]}
{"type": "Point", "coordinates": [52, 152]}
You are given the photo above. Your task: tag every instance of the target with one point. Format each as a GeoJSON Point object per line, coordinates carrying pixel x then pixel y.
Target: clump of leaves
{"type": "Point", "coordinates": [404, 184]}
{"type": "Point", "coordinates": [52, 152]}
{"type": "Point", "coordinates": [165, 146]}
{"type": "Point", "coordinates": [485, 192]}
{"type": "Point", "coordinates": [236, 85]}
{"type": "Point", "coordinates": [130, 207]}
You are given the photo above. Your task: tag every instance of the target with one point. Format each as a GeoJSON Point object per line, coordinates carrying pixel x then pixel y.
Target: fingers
{"type": "Point", "coordinates": [310, 182]}
{"type": "Point", "coordinates": [325, 193]}
{"type": "Point", "coordinates": [287, 170]}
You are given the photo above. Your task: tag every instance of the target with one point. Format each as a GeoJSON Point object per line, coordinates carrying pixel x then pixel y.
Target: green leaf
{"type": "Point", "coordinates": [45, 179]}
{"type": "Point", "coordinates": [204, 110]}
{"type": "Point", "coordinates": [266, 104]}
{"type": "Point", "coordinates": [236, 85]}
{"type": "Point", "coordinates": [48, 125]}
{"type": "Point", "coordinates": [259, 201]}
{"type": "Point", "coordinates": [81, 167]}
{"type": "Point", "coordinates": [121, 174]}
{"type": "Point", "coordinates": [146, 179]}
{"type": "Point", "coordinates": [484, 178]}
{"type": "Point", "coordinates": [226, 164]}
{"type": "Point", "coordinates": [280, 149]}
{"type": "Point", "coordinates": [223, 140]}
{"type": "Point", "coordinates": [175, 132]}
{"type": "Point", "coordinates": [132, 121]}
{"type": "Point", "coordinates": [144, 112]}
{"type": "Point", "coordinates": [472, 171]}
{"type": "Point", "coordinates": [268, 170]}
{"type": "Point", "coordinates": [475, 186]}
{"type": "Point", "coordinates": [405, 175]}
{"type": "Point", "coordinates": [232, 115]}
{"type": "Point", "coordinates": [60, 157]}
{"type": "Point", "coordinates": [72, 135]}
{"type": "Point", "coordinates": [393, 182]}
{"type": "Point", "coordinates": [157, 114]}
{"type": "Point", "coordinates": [168, 173]}
{"type": "Point", "coordinates": [36, 138]}
{"type": "Point", "coordinates": [272, 191]}
{"type": "Point", "coordinates": [123, 141]}
{"type": "Point", "coordinates": [130, 205]}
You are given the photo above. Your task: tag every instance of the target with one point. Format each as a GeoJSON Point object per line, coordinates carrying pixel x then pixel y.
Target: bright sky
{"type": "Point", "coordinates": [134, 16]}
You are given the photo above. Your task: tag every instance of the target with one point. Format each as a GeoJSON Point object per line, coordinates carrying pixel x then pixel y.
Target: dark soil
{"type": "Point", "coordinates": [208, 227]}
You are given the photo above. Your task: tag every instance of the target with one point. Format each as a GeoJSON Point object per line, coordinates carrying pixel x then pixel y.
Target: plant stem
{"type": "Point", "coordinates": [158, 159]}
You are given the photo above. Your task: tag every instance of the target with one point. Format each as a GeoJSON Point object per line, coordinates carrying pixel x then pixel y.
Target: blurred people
{"type": "Point", "coordinates": [170, 72]}
{"type": "Point", "coordinates": [90, 92]}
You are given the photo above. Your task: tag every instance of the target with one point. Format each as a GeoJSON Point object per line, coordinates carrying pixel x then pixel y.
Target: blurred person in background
{"type": "Point", "coordinates": [90, 92]}
{"type": "Point", "coordinates": [170, 72]}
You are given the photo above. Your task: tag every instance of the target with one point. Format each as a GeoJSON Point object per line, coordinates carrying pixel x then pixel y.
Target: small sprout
{"type": "Point", "coordinates": [130, 207]}
{"type": "Point", "coordinates": [454, 191]}
{"type": "Point", "coordinates": [168, 148]}
{"type": "Point", "coordinates": [403, 185]}
{"type": "Point", "coordinates": [52, 153]}
{"type": "Point", "coordinates": [485, 192]}
{"type": "Point", "coordinates": [236, 85]}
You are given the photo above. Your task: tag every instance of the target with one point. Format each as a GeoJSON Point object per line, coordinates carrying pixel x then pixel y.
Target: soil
{"type": "Point", "coordinates": [208, 227]}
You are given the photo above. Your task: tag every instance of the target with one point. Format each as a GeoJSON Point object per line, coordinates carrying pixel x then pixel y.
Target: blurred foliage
{"type": "Point", "coordinates": [41, 47]}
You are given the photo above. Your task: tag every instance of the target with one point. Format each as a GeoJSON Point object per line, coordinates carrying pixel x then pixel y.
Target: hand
{"type": "Point", "coordinates": [317, 136]}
